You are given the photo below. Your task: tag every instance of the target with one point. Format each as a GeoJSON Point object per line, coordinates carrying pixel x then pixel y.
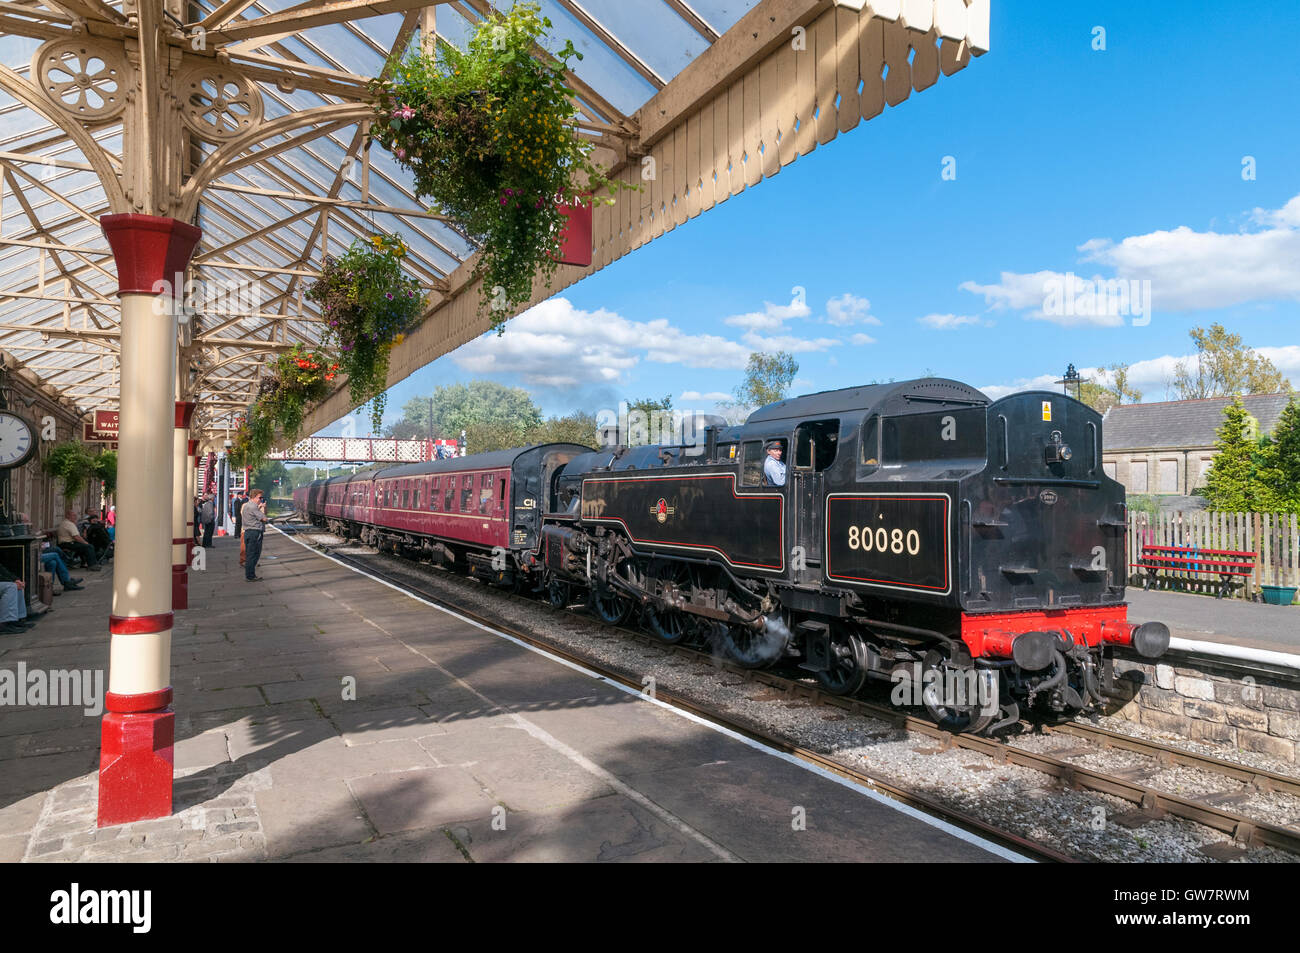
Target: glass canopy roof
{"type": "Point", "coordinates": [289, 199]}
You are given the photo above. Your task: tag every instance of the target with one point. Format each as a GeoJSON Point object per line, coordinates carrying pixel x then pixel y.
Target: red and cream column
{"type": "Point", "coordinates": [138, 729]}
{"type": "Point", "coordinates": [182, 506]}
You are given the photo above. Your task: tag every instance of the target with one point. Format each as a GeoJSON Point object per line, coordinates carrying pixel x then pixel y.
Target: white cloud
{"type": "Point", "coordinates": [1288, 216]}
{"type": "Point", "coordinates": [794, 345]}
{"type": "Point", "coordinates": [554, 344]}
{"type": "Point", "coordinates": [712, 395]}
{"type": "Point", "coordinates": [946, 322]}
{"type": "Point", "coordinates": [1153, 377]}
{"type": "Point", "coordinates": [1187, 270]}
{"type": "Point", "coordinates": [862, 339]}
{"type": "Point", "coordinates": [847, 309]}
{"type": "Point", "coordinates": [772, 317]}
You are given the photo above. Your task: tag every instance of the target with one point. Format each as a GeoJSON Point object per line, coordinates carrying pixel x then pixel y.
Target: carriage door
{"type": "Point", "coordinates": [814, 450]}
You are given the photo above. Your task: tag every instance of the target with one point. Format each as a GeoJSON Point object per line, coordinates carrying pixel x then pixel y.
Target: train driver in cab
{"type": "Point", "coordinates": [773, 468]}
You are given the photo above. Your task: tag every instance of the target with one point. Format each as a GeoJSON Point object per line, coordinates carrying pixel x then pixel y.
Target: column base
{"type": "Point", "coordinates": [136, 762]}
{"type": "Point", "coordinates": [180, 587]}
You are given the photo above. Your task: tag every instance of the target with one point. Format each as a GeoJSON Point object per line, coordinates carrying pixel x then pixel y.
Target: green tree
{"type": "Point", "coordinates": [264, 478]}
{"type": "Point", "coordinates": [485, 406]}
{"type": "Point", "coordinates": [1102, 397]}
{"type": "Point", "coordinates": [577, 427]}
{"type": "Point", "coordinates": [1229, 484]}
{"type": "Point", "coordinates": [1225, 367]}
{"type": "Point", "coordinates": [1278, 474]}
{"type": "Point", "coordinates": [649, 406]}
{"type": "Point", "coordinates": [767, 379]}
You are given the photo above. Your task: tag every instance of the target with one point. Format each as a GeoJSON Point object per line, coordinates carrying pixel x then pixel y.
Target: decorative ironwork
{"type": "Point", "coordinates": [86, 78]}
{"type": "Point", "coordinates": [218, 104]}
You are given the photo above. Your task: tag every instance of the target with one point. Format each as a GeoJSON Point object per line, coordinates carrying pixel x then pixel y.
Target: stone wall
{"type": "Point", "coordinates": [1217, 703]}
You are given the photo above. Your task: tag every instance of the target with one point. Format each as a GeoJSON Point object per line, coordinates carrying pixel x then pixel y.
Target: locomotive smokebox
{"type": "Point", "coordinates": [1151, 639]}
{"type": "Point", "coordinates": [1034, 651]}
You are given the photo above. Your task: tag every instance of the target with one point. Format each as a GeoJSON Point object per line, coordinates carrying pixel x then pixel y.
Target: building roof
{"type": "Point", "coordinates": [1182, 424]}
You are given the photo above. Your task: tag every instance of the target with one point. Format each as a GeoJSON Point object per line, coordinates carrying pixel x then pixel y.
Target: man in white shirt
{"type": "Point", "coordinates": [773, 468]}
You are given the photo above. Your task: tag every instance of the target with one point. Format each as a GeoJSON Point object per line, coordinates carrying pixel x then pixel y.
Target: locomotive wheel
{"type": "Point", "coordinates": [848, 671]}
{"type": "Point", "coordinates": [947, 713]}
{"type": "Point", "coordinates": [610, 607]}
{"type": "Point", "coordinates": [750, 648]}
{"type": "Point", "coordinates": [558, 594]}
{"type": "Point", "coordinates": [670, 626]}
{"type": "Point", "coordinates": [667, 625]}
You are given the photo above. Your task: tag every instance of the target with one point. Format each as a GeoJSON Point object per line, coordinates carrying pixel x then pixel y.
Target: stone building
{"type": "Point", "coordinates": [1165, 448]}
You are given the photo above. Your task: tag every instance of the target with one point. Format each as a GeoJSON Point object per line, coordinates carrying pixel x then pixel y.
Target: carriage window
{"type": "Point", "coordinates": [942, 435]}
{"type": "Point", "coordinates": [815, 443]}
{"type": "Point", "coordinates": [433, 493]}
{"type": "Point", "coordinates": [752, 467]}
{"type": "Point", "coordinates": [485, 493]}
{"type": "Point", "coordinates": [415, 497]}
{"type": "Point", "coordinates": [466, 492]}
{"type": "Point", "coordinates": [501, 502]}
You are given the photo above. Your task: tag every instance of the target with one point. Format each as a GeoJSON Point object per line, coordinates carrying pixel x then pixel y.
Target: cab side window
{"type": "Point", "coordinates": [869, 456]}
{"type": "Point", "coordinates": [751, 468]}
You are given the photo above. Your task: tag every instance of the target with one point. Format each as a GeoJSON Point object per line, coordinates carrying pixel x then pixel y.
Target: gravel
{"type": "Point", "coordinates": [1013, 798]}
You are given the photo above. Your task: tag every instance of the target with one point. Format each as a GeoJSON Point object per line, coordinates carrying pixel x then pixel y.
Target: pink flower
{"type": "Point", "coordinates": [400, 153]}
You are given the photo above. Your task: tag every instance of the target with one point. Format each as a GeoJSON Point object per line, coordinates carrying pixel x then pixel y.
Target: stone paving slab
{"type": "Point", "coordinates": [1229, 621]}
{"type": "Point", "coordinates": [449, 745]}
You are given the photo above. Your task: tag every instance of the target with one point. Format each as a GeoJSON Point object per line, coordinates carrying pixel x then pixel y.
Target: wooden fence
{"type": "Point", "coordinates": [1275, 537]}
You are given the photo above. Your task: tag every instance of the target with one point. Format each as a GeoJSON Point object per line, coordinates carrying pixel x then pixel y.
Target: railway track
{"type": "Point", "coordinates": [1150, 803]}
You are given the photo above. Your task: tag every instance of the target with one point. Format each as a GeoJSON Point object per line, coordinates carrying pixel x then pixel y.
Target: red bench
{"type": "Point", "coordinates": [1232, 567]}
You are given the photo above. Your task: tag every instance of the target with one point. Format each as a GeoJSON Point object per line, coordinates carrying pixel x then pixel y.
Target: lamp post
{"type": "Point", "coordinates": [1072, 377]}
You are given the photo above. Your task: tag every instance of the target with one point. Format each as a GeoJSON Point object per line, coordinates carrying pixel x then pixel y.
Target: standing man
{"type": "Point", "coordinates": [254, 520]}
{"type": "Point", "coordinates": [237, 511]}
{"type": "Point", "coordinates": [208, 516]}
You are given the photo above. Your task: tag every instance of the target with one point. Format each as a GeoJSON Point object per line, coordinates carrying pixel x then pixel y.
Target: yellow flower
{"type": "Point", "coordinates": [399, 339]}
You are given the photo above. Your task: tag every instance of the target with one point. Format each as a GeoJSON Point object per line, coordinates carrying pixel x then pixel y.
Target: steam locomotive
{"type": "Point", "coordinates": [970, 551]}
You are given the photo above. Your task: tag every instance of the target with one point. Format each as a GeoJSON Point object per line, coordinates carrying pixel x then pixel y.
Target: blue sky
{"type": "Point", "coordinates": [1135, 153]}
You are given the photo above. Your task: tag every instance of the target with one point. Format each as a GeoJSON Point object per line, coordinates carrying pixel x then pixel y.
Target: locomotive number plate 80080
{"type": "Point", "coordinates": [889, 540]}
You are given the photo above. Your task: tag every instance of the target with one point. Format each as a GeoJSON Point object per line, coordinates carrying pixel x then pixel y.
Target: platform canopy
{"type": "Point", "coordinates": [249, 118]}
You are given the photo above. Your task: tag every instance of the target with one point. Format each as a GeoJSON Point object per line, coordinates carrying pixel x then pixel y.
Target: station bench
{"type": "Point", "coordinates": [1231, 566]}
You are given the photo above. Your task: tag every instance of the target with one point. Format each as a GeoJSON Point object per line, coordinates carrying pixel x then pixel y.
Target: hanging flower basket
{"type": "Point", "coordinates": [368, 305]}
{"type": "Point", "coordinates": [489, 134]}
{"type": "Point", "coordinates": [298, 377]}
{"type": "Point", "coordinates": [254, 434]}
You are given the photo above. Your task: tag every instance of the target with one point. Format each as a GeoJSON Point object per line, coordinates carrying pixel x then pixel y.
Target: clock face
{"type": "Point", "coordinates": [16, 443]}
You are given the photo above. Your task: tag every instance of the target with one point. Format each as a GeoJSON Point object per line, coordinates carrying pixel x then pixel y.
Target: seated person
{"type": "Point", "coordinates": [773, 468]}
{"type": "Point", "coordinates": [13, 604]}
{"type": "Point", "coordinates": [98, 537]}
{"type": "Point", "coordinates": [52, 561]}
{"type": "Point", "coordinates": [70, 539]}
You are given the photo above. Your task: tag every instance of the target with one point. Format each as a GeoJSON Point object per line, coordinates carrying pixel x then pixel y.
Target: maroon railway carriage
{"type": "Point", "coordinates": [459, 510]}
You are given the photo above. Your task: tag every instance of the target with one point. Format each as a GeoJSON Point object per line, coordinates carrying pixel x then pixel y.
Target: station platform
{"type": "Point", "coordinates": [1227, 622]}
{"type": "Point", "coordinates": [323, 716]}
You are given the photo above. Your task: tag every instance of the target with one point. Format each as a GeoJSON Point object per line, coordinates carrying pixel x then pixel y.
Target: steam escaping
{"type": "Point", "coordinates": [751, 648]}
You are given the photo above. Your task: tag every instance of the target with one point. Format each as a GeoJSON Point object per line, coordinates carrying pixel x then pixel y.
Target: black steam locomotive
{"type": "Point", "coordinates": [971, 551]}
